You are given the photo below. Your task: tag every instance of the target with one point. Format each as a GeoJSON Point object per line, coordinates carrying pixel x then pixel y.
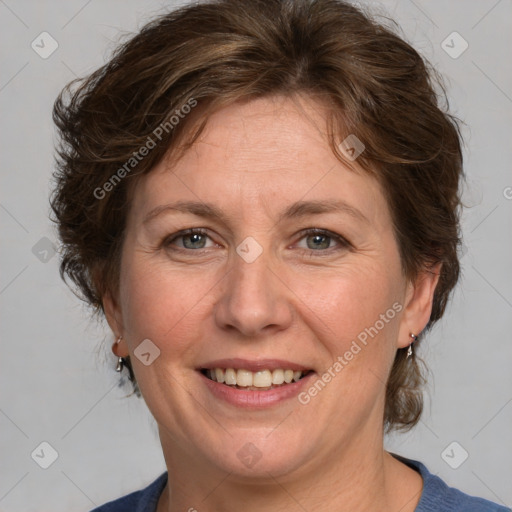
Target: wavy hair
{"type": "Point", "coordinates": [376, 86]}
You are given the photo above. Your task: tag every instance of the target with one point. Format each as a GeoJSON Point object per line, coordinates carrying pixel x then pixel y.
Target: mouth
{"type": "Point", "coordinates": [260, 380]}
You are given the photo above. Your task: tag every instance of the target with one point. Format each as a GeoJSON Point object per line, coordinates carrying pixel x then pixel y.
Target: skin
{"type": "Point", "coordinates": [303, 299]}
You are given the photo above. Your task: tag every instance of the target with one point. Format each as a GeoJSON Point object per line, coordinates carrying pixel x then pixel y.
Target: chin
{"type": "Point", "coordinates": [253, 453]}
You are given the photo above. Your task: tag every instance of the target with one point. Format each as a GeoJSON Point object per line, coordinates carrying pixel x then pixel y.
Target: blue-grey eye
{"type": "Point", "coordinates": [188, 239]}
{"type": "Point", "coordinates": [319, 241]}
{"type": "Point", "coordinates": [197, 241]}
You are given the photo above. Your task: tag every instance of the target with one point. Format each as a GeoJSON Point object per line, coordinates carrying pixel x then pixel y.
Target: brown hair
{"type": "Point", "coordinates": [376, 86]}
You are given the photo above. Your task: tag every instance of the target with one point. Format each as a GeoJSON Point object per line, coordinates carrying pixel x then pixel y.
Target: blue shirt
{"type": "Point", "coordinates": [435, 497]}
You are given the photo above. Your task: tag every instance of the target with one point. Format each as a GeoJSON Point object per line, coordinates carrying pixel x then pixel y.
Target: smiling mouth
{"type": "Point", "coordinates": [262, 380]}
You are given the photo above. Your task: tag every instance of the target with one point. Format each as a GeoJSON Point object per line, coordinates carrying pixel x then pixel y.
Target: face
{"type": "Point", "coordinates": [257, 253]}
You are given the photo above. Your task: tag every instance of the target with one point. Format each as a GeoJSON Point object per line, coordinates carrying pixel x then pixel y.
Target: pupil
{"type": "Point", "coordinates": [195, 238]}
{"type": "Point", "coordinates": [319, 238]}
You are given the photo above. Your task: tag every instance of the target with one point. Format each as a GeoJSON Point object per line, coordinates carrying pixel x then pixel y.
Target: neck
{"type": "Point", "coordinates": [358, 477]}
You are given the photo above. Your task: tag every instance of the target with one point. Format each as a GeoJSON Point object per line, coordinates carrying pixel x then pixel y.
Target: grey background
{"type": "Point", "coordinates": [57, 376]}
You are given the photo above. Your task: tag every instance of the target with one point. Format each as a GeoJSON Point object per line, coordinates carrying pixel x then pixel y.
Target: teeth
{"type": "Point", "coordinates": [230, 377]}
{"type": "Point", "coordinates": [277, 376]}
{"type": "Point", "coordinates": [259, 379]}
{"type": "Point", "coordinates": [219, 375]}
{"type": "Point", "coordinates": [288, 376]}
{"type": "Point", "coordinates": [244, 378]}
{"type": "Point", "coordinates": [262, 379]}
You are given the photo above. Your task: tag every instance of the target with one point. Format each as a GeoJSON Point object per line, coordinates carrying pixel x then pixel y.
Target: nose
{"type": "Point", "coordinates": [254, 300]}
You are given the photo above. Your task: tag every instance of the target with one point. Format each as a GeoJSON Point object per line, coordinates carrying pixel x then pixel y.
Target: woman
{"type": "Point", "coordinates": [262, 198]}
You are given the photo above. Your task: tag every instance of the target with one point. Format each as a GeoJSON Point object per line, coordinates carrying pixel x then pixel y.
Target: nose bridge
{"type": "Point", "coordinates": [253, 298]}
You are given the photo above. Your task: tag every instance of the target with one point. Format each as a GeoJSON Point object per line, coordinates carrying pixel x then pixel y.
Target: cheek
{"type": "Point", "coordinates": [352, 301]}
{"type": "Point", "coordinates": [355, 315]}
{"type": "Point", "coordinates": [163, 304]}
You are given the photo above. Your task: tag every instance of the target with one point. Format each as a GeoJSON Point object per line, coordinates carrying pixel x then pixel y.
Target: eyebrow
{"type": "Point", "coordinates": [295, 210]}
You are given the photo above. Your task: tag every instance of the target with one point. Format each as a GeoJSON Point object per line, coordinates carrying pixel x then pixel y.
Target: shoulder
{"type": "Point", "coordinates": [437, 496]}
{"type": "Point", "coordinates": [144, 500]}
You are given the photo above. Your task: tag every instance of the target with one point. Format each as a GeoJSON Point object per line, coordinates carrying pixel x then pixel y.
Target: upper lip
{"type": "Point", "coordinates": [254, 365]}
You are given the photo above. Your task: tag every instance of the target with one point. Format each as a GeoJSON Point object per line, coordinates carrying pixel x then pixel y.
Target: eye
{"type": "Point", "coordinates": [188, 239]}
{"type": "Point", "coordinates": [320, 240]}
{"type": "Point", "coordinates": [317, 240]}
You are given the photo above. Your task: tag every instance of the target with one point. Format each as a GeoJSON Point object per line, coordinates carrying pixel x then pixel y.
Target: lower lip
{"type": "Point", "coordinates": [256, 399]}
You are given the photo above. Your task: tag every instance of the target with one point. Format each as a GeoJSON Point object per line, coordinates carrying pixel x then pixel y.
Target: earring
{"type": "Point", "coordinates": [409, 350]}
{"type": "Point", "coordinates": [120, 360]}
{"type": "Point", "coordinates": [120, 364]}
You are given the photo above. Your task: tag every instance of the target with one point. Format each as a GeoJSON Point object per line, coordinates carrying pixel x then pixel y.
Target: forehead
{"type": "Point", "coordinates": [264, 153]}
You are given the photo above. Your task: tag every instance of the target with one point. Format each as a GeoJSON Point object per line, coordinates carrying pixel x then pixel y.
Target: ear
{"type": "Point", "coordinates": [418, 304]}
{"type": "Point", "coordinates": [114, 319]}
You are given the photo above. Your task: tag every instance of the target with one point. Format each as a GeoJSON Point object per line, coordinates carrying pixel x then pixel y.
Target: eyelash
{"type": "Point", "coordinates": [343, 243]}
